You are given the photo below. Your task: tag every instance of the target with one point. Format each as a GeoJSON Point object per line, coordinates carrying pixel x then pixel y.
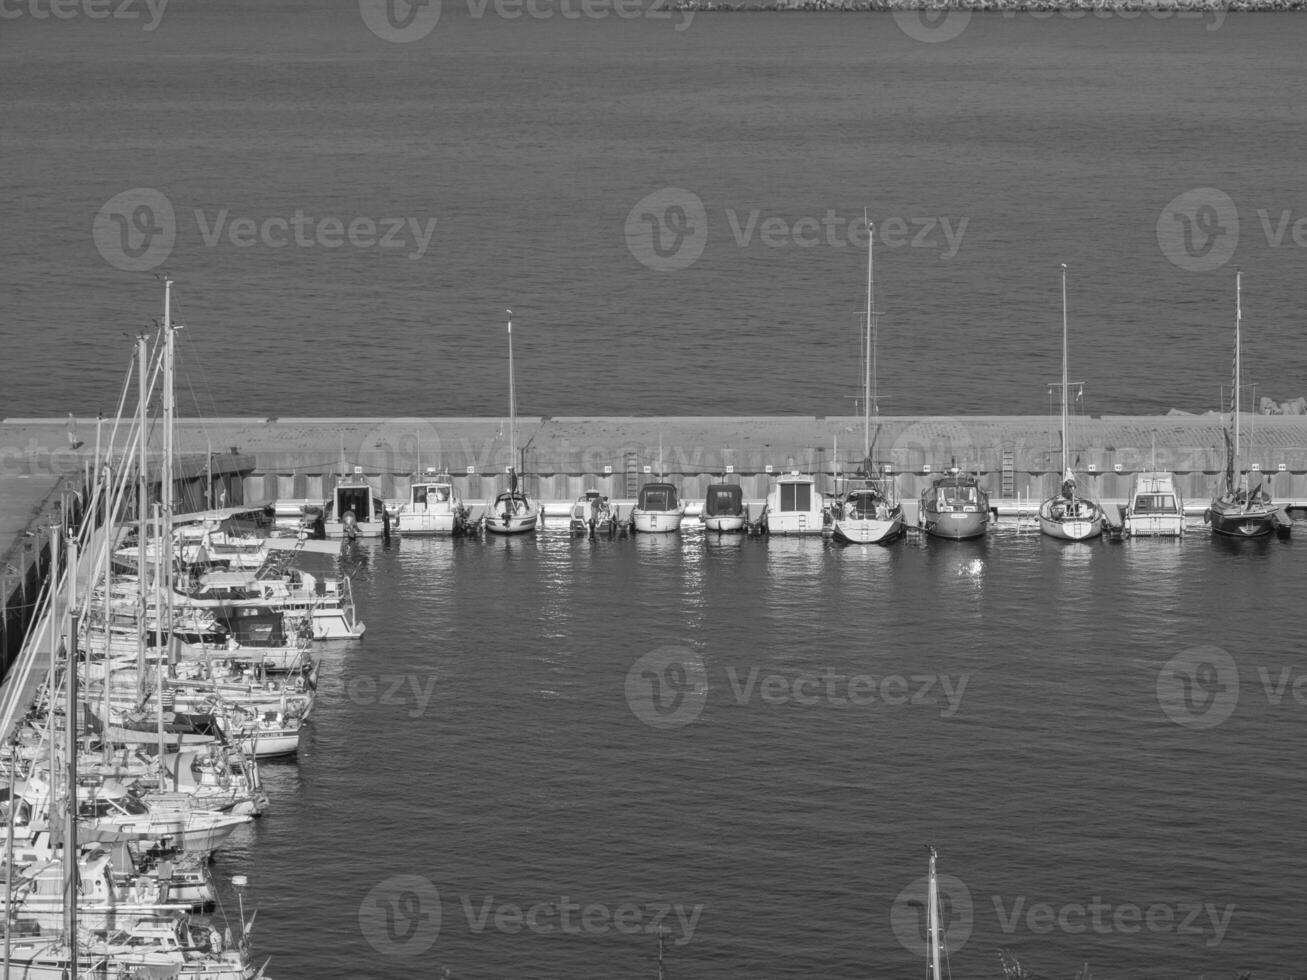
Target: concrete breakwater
{"type": "Point", "coordinates": [1017, 457]}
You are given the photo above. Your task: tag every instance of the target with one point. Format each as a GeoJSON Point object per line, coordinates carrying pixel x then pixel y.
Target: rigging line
{"type": "Point", "coordinates": [122, 401]}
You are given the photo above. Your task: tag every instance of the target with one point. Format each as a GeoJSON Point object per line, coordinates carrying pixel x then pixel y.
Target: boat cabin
{"type": "Point", "coordinates": [658, 497]}
{"type": "Point", "coordinates": [353, 494]}
{"type": "Point", "coordinates": [1155, 507]}
{"type": "Point", "coordinates": [724, 500]}
{"type": "Point", "coordinates": [958, 495]}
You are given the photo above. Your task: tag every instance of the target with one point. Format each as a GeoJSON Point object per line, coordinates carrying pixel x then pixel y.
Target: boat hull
{"type": "Point", "coordinates": [795, 522]}
{"type": "Point", "coordinates": [1085, 523]}
{"type": "Point", "coordinates": [867, 531]}
{"type": "Point", "coordinates": [1153, 526]}
{"type": "Point", "coordinates": [513, 524]}
{"type": "Point", "coordinates": [1071, 530]}
{"type": "Point", "coordinates": [1255, 522]}
{"type": "Point", "coordinates": [429, 525]}
{"type": "Point", "coordinates": [656, 521]}
{"type": "Point", "coordinates": [724, 523]}
{"type": "Point", "coordinates": [955, 525]}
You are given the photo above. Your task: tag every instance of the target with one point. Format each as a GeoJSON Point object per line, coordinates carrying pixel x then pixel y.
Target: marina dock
{"type": "Point", "coordinates": [251, 461]}
{"type": "Point", "coordinates": [1018, 458]}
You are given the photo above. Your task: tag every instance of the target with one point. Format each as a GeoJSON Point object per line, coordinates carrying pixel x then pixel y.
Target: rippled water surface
{"type": "Point", "coordinates": [1010, 701]}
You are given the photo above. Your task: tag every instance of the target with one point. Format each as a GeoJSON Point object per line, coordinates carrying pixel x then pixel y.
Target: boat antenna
{"type": "Point", "coordinates": [661, 934]}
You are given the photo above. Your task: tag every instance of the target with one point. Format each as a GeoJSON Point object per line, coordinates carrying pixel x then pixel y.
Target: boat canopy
{"type": "Point", "coordinates": [657, 496]}
{"type": "Point", "coordinates": [724, 500]}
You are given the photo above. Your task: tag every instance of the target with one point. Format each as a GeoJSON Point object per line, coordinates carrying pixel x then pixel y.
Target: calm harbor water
{"type": "Point", "coordinates": [508, 729]}
{"type": "Point", "coordinates": [530, 142]}
{"type": "Point", "coordinates": [1030, 728]}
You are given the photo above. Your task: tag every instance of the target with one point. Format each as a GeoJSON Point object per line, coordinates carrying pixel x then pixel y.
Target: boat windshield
{"type": "Point", "coordinates": [724, 500]}
{"type": "Point", "coordinates": [657, 498]}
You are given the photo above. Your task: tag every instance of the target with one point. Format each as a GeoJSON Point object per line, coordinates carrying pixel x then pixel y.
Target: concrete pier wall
{"type": "Point", "coordinates": [1016, 457]}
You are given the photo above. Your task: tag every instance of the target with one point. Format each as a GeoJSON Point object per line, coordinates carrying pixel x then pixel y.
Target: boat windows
{"type": "Point", "coordinates": [796, 496]}
{"type": "Point", "coordinates": [1154, 503]}
{"type": "Point", "coordinates": [657, 498]}
{"type": "Point", "coordinates": [420, 494]}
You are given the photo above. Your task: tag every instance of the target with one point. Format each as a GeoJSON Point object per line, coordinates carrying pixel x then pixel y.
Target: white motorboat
{"type": "Point", "coordinates": [658, 509]}
{"type": "Point", "coordinates": [1155, 507]}
{"type": "Point", "coordinates": [794, 506]}
{"type": "Point", "coordinates": [723, 508]}
{"type": "Point", "coordinates": [355, 509]}
{"type": "Point", "coordinates": [433, 507]}
{"type": "Point", "coordinates": [592, 514]}
{"type": "Point", "coordinates": [326, 604]}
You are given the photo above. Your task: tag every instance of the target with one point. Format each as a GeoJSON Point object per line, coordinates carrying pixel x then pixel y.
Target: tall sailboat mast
{"type": "Point", "coordinates": [1064, 375]}
{"type": "Point", "coordinates": [512, 399]}
{"type": "Point", "coordinates": [866, 393]}
{"type": "Point", "coordinates": [1238, 354]}
{"type": "Point", "coordinates": [932, 913]}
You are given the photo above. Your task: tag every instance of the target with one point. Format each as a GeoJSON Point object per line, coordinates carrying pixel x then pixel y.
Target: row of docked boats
{"type": "Point", "coordinates": [864, 509]}
{"type": "Point", "coordinates": [137, 756]}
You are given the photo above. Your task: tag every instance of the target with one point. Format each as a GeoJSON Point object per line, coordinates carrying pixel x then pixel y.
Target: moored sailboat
{"type": "Point", "coordinates": [1241, 510]}
{"type": "Point", "coordinates": [1069, 515]}
{"type": "Point", "coordinates": [513, 511]}
{"type": "Point", "coordinates": [955, 506]}
{"type": "Point", "coordinates": [868, 511]}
